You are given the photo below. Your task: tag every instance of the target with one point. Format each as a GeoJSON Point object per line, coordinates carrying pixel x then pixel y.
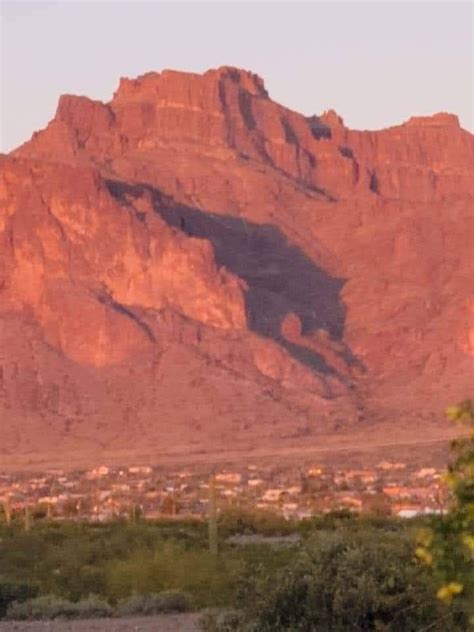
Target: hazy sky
{"type": "Point", "coordinates": [376, 63]}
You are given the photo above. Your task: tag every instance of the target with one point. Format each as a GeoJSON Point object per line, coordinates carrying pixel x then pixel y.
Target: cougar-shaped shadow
{"type": "Point", "coordinates": [280, 277]}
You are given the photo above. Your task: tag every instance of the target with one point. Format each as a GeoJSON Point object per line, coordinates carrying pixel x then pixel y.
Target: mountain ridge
{"type": "Point", "coordinates": [193, 232]}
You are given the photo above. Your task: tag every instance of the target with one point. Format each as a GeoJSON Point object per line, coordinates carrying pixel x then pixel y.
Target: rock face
{"type": "Point", "coordinates": [192, 264]}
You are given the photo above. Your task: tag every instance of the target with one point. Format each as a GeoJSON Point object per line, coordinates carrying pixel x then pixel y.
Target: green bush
{"type": "Point", "coordinates": [245, 521]}
{"type": "Point", "coordinates": [158, 603]}
{"type": "Point", "coordinates": [208, 578]}
{"type": "Point", "coordinates": [345, 581]}
{"type": "Point", "coordinates": [447, 545]}
{"type": "Point", "coordinates": [44, 607]}
{"type": "Point", "coordinates": [93, 607]}
{"type": "Point", "coordinates": [52, 607]}
{"type": "Point", "coordinates": [11, 592]}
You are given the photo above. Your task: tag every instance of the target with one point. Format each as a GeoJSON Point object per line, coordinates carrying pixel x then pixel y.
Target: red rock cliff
{"type": "Point", "coordinates": [192, 263]}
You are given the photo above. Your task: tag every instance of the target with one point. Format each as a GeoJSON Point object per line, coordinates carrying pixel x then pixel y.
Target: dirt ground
{"type": "Point", "coordinates": [160, 623]}
{"type": "Point", "coordinates": [370, 444]}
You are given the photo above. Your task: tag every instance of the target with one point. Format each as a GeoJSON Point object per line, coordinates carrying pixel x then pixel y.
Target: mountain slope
{"type": "Point", "coordinates": [192, 266]}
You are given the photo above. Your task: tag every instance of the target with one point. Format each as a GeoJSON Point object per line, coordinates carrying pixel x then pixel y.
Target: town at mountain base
{"type": "Point", "coordinates": [193, 267]}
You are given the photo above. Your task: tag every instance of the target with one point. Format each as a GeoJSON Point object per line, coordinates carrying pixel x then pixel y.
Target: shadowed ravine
{"type": "Point", "coordinates": [281, 279]}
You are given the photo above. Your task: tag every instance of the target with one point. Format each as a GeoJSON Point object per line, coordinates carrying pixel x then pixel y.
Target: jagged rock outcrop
{"type": "Point", "coordinates": [227, 112]}
{"type": "Point", "coordinates": [192, 263]}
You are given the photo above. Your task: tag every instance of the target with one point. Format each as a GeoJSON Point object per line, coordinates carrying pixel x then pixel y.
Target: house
{"type": "Point", "coordinates": [37, 482]}
{"type": "Point", "coordinates": [435, 511]}
{"type": "Point", "coordinates": [424, 493]}
{"type": "Point", "coordinates": [98, 472]}
{"type": "Point", "coordinates": [153, 495]}
{"type": "Point", "coordinates": [304, 514]}
{"type": "Point", "coordinates": [366, 476]}
{"type": "Point", "coordinates": [140, 469]}
{"type": "Point", "coordinates": [387, 465]}
{"type": "Point", "coordinates": [409, 512]}
{"type": "Point", "coordinates": [124, 487]}
{"type": "Point", "coordinates": [397, 491]}
{"type": "Point", "coordinates": [272, 495]}
{"type": "Point", "coordinates": [229, 477]}
{"type": "Point", "coordinates": [103, 515]}
{"type": "Point", "coordinates": [425, 472]}
{"type": "Point", "coordinates": [289, 509]}
{"type": "Point", "coordinates": [228, 492]}
{"type": "Point", "coordinates": [48, 500]}
{"type": "Point", "coordinates": [350, 501]}
{"type": "Point", "coordinates": [293, 490]}
{"type": "Point", "coordinates": [255, 482]}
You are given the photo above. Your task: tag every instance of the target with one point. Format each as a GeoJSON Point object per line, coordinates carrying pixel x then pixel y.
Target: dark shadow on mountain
{"type": "Point", "coordinates": [318, 128]}
{"type": "Point", "coordinates": [280, 277]}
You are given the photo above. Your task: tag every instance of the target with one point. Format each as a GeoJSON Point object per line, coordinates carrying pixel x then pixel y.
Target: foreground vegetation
{"type": "Point", "coordinates": [447, 544]}
{"type": "Point", "coordinates": [115, 561]}
{"type": "Point", "coordinates": [345, 573]}
{"type": "Point", "coordinates": [345, 580]}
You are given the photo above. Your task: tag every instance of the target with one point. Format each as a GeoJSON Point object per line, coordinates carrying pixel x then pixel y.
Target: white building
{"type": "Point", "coordinates": [272, 495]}
{"type": "Point", "coordinates": [140, 469]}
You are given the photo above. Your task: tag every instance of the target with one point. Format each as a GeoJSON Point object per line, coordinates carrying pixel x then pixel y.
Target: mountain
{"type": "Point", "coordinates": [192, 267]}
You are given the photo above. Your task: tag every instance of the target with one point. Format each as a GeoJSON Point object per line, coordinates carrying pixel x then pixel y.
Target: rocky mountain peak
{"type": "Point", "coordinates": [192, 264]}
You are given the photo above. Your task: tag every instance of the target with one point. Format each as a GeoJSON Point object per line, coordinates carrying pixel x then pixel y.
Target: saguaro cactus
{"type": "Point", "coordinates": [212, 516]}
{"type": "Point", "coordinates": [27, 523]}
{"type": "Point", "coordinates": [7, 509]}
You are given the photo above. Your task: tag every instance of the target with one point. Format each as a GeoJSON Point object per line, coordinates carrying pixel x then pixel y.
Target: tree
{"type": "Point", "coordinates": [447, 545]}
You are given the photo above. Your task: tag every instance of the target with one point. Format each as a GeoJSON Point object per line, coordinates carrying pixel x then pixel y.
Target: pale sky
{"type": "Point", "coordinates": [376, 63]}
